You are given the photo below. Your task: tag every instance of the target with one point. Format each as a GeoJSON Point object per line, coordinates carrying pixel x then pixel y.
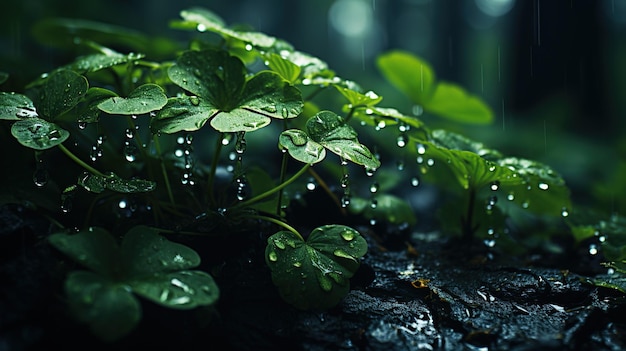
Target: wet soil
{"type": "Point", "coordinates": [423, 293]}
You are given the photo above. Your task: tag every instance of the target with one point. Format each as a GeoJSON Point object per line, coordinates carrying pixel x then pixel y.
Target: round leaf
{"type": "Point", "coordinates": [315, 274]}
{"type": "Point", "coordinates": [269, 94]}
{"type": "Point", "coordinates": [301, 147]}
{"type": "Point", "coordinates": [109, 308]}
{"type": "Point", "coordinates": [239, 120]}
{"type": "Point", "coordinates": [16, 106]}
{"type": "Point", "coordinates": [144, 99]}
{"type": "Point", "coordinates": [145, 252]}
{"type": "Point", "coordinates": [94, 248]}
{"type": "Point", "coordinates": [180, 290]}
{"type": "Point", "coordinates": [329, 130]}
{"type": "Point", "coordinates": [38, 134]}
{"type": "Point", "coordinates": [187, 113]}
{"type": "Point", "coordinates": [60, 91]}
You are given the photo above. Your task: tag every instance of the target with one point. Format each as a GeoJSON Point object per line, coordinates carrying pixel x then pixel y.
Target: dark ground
{"type": "Point", "coordinates": [426, 296]}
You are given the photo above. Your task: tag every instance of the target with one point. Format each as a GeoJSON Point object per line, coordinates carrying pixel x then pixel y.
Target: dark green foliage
{"type": "Point", "coordinates": [248, 101]}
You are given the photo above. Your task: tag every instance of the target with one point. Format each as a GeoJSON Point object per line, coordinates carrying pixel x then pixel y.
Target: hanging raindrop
{"type": "Point", "coordinates": [415, 181]}
{"type": "Point", "coordinates": [240, 143]}
{"type": "Point", "coordinates": [40, 176]}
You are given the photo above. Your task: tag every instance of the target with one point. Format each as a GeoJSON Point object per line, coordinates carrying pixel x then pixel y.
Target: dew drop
{"type": "Point", "coordinates": [593, 249]}
{"type": "Point", "coordinates": [373, 203]}
{"type": "Point", "coordinates": [345, 181]}
{"type": "Point", "coordinates": [564, 212]}
{"type": "Point", "coordinates": [402, 140]}
{"type": "Point", "coordinates": [374, 187]}
{"type": "Point", "coordinates": [421, 149]}
{"type": "Point", "coordinates": [347, 235]}
{"type": "Point", "coordinates": [543, 186]}
{"type": "Point", "coordinates": [272, 256]}
{"type": "Point", "coordinates": [430, 162]}
{"type": "Point", "coordinates": [415, 181]}
{"type": "Point", "coordinates": [495, 185]}
{"type": "Point", "coordinates": [310, 185]}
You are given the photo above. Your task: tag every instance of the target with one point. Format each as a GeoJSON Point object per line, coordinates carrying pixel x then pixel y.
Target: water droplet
{"type": "Point", "coordinates": [495, 185]}
{"type": "Point", "coordinates": [415, 181]}
{"type": "Point", "coordinates": [240, 143]}
{"type": "Point", "coordinates": [543, 186]}
{"type": "Point", "coordinates": [373, 203]}
{"type": "Point", "coordinates": [248, 47]}
{"type": "Point", "coordinates": [345, 200]}
{"type": "Point", "coordinates": [272, 256]}
{"type": "Point", "coordinates": [345, 181]}
{"type": "Point", "coordinates": [510, 196]}
{"type": "Point", "coordinates": [489, 242]}
{"type": "Point", "coordinates": [370, 171]}
{"type": "Point", "coordinates": [194, 100]}
{"type": "Point", "coordinates": [201, 27]}
{"type": "Point", "coordinates": [297, 264]}
{"type": "Point", "coordinates": [421, 149]}
{"type": "Point", "coordinates": [347, 235]}
{"type": "Point", "coordinates": [564, 212]}
{"type": "Point", "coordinates": [280, 244]}
{"type": "Point", "coordinates": [417, 110]}
{"type": "Point", "coordinates": [402, 140]}
{"type": "Point", "coordinates": [66, 201]}
{"type": "Point", "coordinates": [400, 165]}
{"type": "Point", "coordinates": [374, 187]}
{"type": "Point", "coordinates": [310, 185]}
{"type": "Point", "coordinates": [593, 249]}
{"type": "Point", "coordinates": [430, 162]}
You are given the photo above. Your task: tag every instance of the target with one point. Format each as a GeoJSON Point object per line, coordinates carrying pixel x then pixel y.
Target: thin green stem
{"type": "Point", "coordinates": [283, 172]}
{"type": "Point", "coordinates": [166, 179]}
{"type": "Point", "coordinates": [81, 162]}
{"type": "Point", "coordinates": [277, 222]}
{"type": "Point", "coordinates": [273, 190]}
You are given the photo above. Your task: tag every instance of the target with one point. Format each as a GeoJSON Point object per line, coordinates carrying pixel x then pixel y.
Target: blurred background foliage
{"type": "Point", "coordinates": [552, 71]}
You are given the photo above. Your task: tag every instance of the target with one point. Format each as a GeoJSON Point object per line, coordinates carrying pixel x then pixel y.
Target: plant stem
{"type": "Point", "coordinates": [157, 147]}
{"type": "Point", "coordinates": [273, 190]}
{"type": "Point", "coordinates": [81, 162]}
{"type": "Point", "coordinates": [283, 172]}
{"type": "Point", "coordinates": [278, 222]}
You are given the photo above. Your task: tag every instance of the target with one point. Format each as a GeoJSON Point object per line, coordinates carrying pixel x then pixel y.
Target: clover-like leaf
{"type": "Point", "coordinates": [144, 99]}
{"type": "Point", "coordinates": [15, 106]}
{"type": "Point", "coordinates": [60, 91]}
{"type": "Point", "coordinates": [331, 131]}
{"type": "Point", "coordinates": [87, 111]}
{"type": "Point", "coordinates": [38, 134]}
{"type": "Point", "coordinates": [111, 181]}
{"type": "Point", "coordinates": [110, 309]}
{"type": "Point", "coordinates": [144, 252]}
{"type": "Point", "coordinates": [385, 116]}
{"type": "Point", "coordinates": [222, 94]}
{"type": "Point", "coordinates": [146, 264]}
{"type": "Point", "coordinates": [315, 274]}
{"type": "Point", "coordinates": [93, 248]}
{"type": "Point", "coordinates": [301, 147]}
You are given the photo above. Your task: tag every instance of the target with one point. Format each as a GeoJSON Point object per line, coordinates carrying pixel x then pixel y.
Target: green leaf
{"type": "Point", "coordinates": [355, 98]}
{"type": "Point", "coordinates": [59, 92]}
{"type": "Point", "coordinates": [210, 74]}
{"type": "Point", "coordinates": [94, 248]}
{"type": "Point", "coordinates": [145, 252]}
{"type": "Point", "coordinates": [205, 20]}
{"type": "Point", "coordinates": [187, 113]}
{"type": "Point", "coordinates": [453, 102]}
{"type": "Point", "coordinates": [234, 103]}
{"type": "Point", "coordinates": [239, 120]}
{"type": "Point", "coordinates": [96, 62]}
{"type": "Point", "coordinates": [144, 99]}
{"type": "Point", "coordinates": [267, 93]}
{"type": "Point", "coordinates": [330, 130]}
{"type": "Point", "coordinates": [540, 189]}
{"type": "Point", "coordinates": [451, 140]}
{"type": "Point", "coordinates": [87, 110]}
{"type": "Point", "coordinates": [180, 290]}
{"type": "Point", "coordinates": [285, 68]}
{"type": "Point", "coordinates": [408, 73]}
{"type": "Point", "coordinates": [109, 308]}
{"type": "Point", "coordinates": [67, 33]}
{"type": "Point", "coordinates": [315, 274]}
{"type": "Point", "coordinates": [38, 134]}
{"type": "Point", "coordinates": [16, 106]}
{"type": "Point", "coordinates": [301, 147]}
{"type": "Point", "coordinates": [385, 207]}
{"type": "Point", "coordinates": [375, 115]}
{"type": "Point", "coordinates": [111, 181]}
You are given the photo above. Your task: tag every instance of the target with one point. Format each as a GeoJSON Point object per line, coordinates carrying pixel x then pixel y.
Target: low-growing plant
{"type": "Point", "coordinates": [217, 138]}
